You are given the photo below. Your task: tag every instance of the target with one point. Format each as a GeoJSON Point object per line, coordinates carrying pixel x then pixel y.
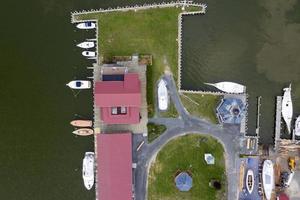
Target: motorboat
{"type": "Point", "coordinates": [86, 25]}
{"type": "Point", "coordinates": [89, 53]}
{"type": "Point", "coordinates": [83, 131]}
{"type": "Point", "coordinates": [79, 84]}
{"type": "Point", "coordinates": [229, 87]}
{"type": "Point", "coordinates": [88, 170]}
{"type": "Point", "coordinates": [81, 123]}
{"type": "Point", "coordinates": [297, 127]}
{"type": "Point", "coordinates": [86, 45]}
{"type": "Point", "coordinates": [250, 181]}
{"type": "Point", "coordinates": [268, 178]}
{"type": "Point", "coordinates": [287, 107]}
{"type": "Point", "coordinates": [162, 94]}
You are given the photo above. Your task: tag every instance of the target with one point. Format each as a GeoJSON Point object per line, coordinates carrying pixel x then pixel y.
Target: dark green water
{"type": "Point", "coordinates": [256, 43]}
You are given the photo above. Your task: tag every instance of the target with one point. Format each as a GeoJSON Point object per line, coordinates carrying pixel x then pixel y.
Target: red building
{"type": "Point", "coordinates": [119, 101]}
{"type": "Point", "coordinates": [114, 165]}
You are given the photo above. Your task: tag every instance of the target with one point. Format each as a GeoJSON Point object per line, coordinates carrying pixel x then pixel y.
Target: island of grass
{"type": "Point", "coordinates": [154, 131]}
{"type": "Point", "coordinates": [152, 31]}
{"type": "Point", "coordinates": [186, 153]}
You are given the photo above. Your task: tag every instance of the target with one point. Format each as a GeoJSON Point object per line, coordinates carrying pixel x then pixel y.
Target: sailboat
{"type": "Point", "coordinates": [229, 87]}
{"type": "Point", "coordinates": [88, 170]}
{"type": "Point", "coordinates": [250, 181]}
{"type": "Point", "coordinates": [287, 107]}
{"type": "Point", "coordinates": [162, 94]}
{"type": "Point", "coordinates": [268, 178]}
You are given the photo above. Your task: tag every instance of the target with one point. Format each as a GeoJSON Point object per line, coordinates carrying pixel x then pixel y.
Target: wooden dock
{"type": "Point", "coordinates": [278, 119]}
{"type": "Point", "coordinates": [258, 115]}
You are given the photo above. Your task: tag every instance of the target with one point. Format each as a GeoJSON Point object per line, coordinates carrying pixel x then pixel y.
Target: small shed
{"type": "Point", "coordinates": [184, 182]}
{"type": "Point", "coordinates": [210, 160]}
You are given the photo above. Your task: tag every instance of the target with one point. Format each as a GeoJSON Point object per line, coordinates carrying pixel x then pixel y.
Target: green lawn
{"type": "Point", "coordinates": [154, 131]}
{"type": "Point", "coordinates": [201, 105]}
{"type": "Point", "coordinates": [186, 153]}
{"type": "Point", "coordinates": [152, 31]}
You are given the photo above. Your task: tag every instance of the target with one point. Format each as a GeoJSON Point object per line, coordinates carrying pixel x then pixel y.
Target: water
{"type": "Point", "coordinates": [40, 158]}
{"type": "Point", "coordinates": [256, 43]}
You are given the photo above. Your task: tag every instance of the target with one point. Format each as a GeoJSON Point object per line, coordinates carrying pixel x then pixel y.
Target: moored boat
{"type": "Point", "coordinates": [162, 94]}
{"type": "Point", "coordinates": [79, 84]}
{"type": "Point", "coordinates": [81, 123]}
{"type": "Point", "coordinates": [287, 107]}
{"type": "Point", "coordinates": [89, 53]}
{"type": "Point", "coordinates": [86, 45]}
{"type": "Point", "coordinates": [229, 87]}
{"type": "Point", "coordinates": [250, 181]}
{"type": "Point", "coordinates": [297, 127]}
{"type": "Point", "coordinates": [84, 131]}
{"type": "Point", "coordinates": [88, 170]}
{"type": "Point", "coordinates": [268, 178]}
{"type": "Point", "coordinates": [86, 25]}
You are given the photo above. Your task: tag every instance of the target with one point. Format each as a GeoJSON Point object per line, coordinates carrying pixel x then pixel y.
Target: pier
{"type": "Point", "coordinates": [278, 119]}
{"type": "Point", "coordinates": [258, 115]}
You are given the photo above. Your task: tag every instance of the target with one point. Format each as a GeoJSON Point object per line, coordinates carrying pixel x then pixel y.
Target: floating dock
{"type": "Point", "coordinates": [278, 119]}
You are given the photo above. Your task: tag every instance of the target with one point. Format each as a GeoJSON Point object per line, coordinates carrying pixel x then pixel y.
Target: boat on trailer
{"type": "Point", "coordinates": [89, 53]}
{"type": "Point", "coordinates": [84, 131]}
{"type": "Point", "coordinates": [81, 123]}
{"type": "Point", "coordinates": [250, 181]}
{"type": "Point", "coordinates": [287, 107]}
{"type": "Point", "coordinates": [229, 87]}
{"type": "Point", "coordinates": [86, 45]}
{"type": "Point", "coordinates": [79, 84]}
{"type": "Point", "coordinates": [162, 93]}
{"type": "Point", "coordinates": [86, 25]}
{"type": "Point", "coordinates": [268, 178]}
{"type": "Point", "coordinates": [297, 127]}
{"type": "Point", "coordinates": [88, 169]}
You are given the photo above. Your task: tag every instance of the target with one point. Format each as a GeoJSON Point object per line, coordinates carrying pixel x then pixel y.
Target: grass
{"type": "Point", "coordinates": [205, 107]}
{"type": "Point", "coordinates": [186, 153]}
{"type": "Point", "coordinates": [154, 131]}
{"type": "Point", "coordinates": [152, 31]}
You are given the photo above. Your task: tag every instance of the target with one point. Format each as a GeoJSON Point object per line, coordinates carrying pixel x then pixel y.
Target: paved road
{"type": "Point", "coordinates": [185, 124]}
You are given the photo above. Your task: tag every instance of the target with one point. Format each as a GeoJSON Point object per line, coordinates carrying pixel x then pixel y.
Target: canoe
{"type": "Point", "coordinates": [81, 123]}
{"type": "Point", "coordinates": [84, 131]}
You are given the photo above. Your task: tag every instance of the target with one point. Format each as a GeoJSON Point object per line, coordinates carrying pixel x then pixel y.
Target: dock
{"type": "Point", "coordinates": [278, 118]}
{"type": "Point", "coordinates": [258, 115]}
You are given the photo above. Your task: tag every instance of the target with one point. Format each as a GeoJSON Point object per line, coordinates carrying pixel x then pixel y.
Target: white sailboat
{"type": "Point", "coordinates": [250, 181]}
{"type": "Point", "coordinates": [88, 170]}
{"type": "Point", "coordinates": [79, 84]}
{"type": "Point", "coordinates": [287, 107]}
{"type": "Point", "coordinates": [89, 53]}
{"type": "Point", "coordinates": [297, 127]}
{"type": "Point", "coordinates": [162, 94]}
{"type": "Point", "coordinates": [86, 45]}
{"type": "Point", "coordinates": [229, 87]}
{"type": "Point", "coordinates": [268, 178]}
{"type": "Point", "coordinates": [86, 25]}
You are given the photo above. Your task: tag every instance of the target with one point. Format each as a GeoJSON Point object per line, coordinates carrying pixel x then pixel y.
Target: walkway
{"type": "Point", "coordinates": [228, 136]}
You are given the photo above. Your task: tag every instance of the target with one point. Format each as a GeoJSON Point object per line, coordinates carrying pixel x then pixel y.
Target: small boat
{"type": "Point", "coordinates": [162, 94]}
{"type": "Point", "coordinates": [89, 53]}
{"type": "Point", "coordinates": [88, 170]}
{"type": "Point", "coordinates": [250, 181]}
{"type": "Point", "coordinates": [84, 131]}
{"type": "Point", "coordinates": [229, 87]}
{"type": "Point", "coordinates": [287, 107]}
{"type": "Point", "coordinates": [297, 127]}
{"type": "Point", "coordinates": [81, 123]}
{"type": "Point", "coordinates": [86, 45]}
{"type": "Point", "coordinates": [268, 178]}
{"type": "Point", "coordinates": [79, 84]}
{"type": "Point", "coordinates": [86, 25]}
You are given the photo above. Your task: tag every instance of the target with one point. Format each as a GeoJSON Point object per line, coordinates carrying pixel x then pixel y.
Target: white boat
{"type": "Point", "coordinates": [287, 107]}
{"type": "Point", "coordinates": [229, 87]}
{"type": "Point", "coordinates": [162, 94]}
{"type": "Point", "coordinates": [84, 131]}
{"type": "Point", "coordinates": [250, 181]}
{"type": "Point", "coordinates": [79, 84]}
{"type": "Point", "coordinates": [88, 170]}
{"type": "Point", "coordinates": [268, 178]}
{"type": "Point", "coordinates": [297, 127]}
{"type": "Point", "coordinates": [86, 45]}
{"type": "Point", "coordinates": [89, 53]}
{"type": "Point", "coordinates": [86, 25]}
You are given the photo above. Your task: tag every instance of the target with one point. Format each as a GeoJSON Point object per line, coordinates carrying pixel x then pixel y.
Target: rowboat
{"type": "Point", "coordinates": [83, 131]}
{"type": "Point", "coordinates": [81, 123]}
